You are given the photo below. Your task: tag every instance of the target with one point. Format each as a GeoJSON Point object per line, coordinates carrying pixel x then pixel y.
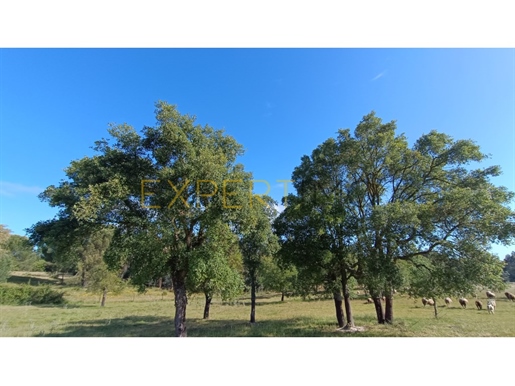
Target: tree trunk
{"type": "Point", "coordinates": [346, 298]}
{"type": "Point", "coordinates": [282, 296]}
{"type": "Point", "coordinates": [379, 309]}
{"type": "Point", "coordinates": [181, 300]}
{"type": "Point", "coordinates": [83, 278]}
{"type": "Point", "coordinates": [207, 305]}
{"type": "Point", "coordinates": [104, 294]}
{"type": "Point", "coordinates": [338, 307]}
{"type": "Point", "coordinates": [436, 309]}
{"type": "Point", "coordinates": [388, 308]}
{"type": "Point", "coordinates": [253, 297]}
{"type": "Point", "coordinates": [160, 283]}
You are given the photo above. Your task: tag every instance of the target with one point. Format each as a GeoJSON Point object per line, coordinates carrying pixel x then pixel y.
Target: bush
{"type": "Point", "coordinates": [5, 266]}
{"type": "Point", "coordinates": [25, 294]}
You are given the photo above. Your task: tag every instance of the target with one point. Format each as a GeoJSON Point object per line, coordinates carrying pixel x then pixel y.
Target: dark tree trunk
{"type": "Point", "coordinates": [337, 296]}
{"type": "Point", "coordinates": [379, 309]}
{"type": "Point", "coordinates": [282, 296]}
{"type": "Point", "coordinates": [346, 298]}
{"type": "Point", "coordinates": [181, 300]}
{"type": "Point", "coordinates": [207, 305]}
{"type": "Point", "coordinates": [104, 294]}
{"type": "Point", "coordinates": [83, 278]}
{"type": "Point", "coordinates": [436, 309]}
{"type": "Point", "coordinates": [253, 297]}
{"type": "Point", "coordinates": [388, 309]}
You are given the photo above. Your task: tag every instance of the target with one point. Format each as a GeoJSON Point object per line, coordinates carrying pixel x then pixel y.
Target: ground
{"type": "Point", "coordinates": [150, 314]}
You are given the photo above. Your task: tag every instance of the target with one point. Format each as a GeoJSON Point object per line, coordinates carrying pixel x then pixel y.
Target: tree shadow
{"type": "Point", "coordinates": [31, 280]}
{"type": "Point", "coordinates": [130, 326]}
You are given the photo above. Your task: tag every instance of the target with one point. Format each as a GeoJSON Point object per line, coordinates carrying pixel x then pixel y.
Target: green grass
{"type": "Point", "coordinates": [151, 315]}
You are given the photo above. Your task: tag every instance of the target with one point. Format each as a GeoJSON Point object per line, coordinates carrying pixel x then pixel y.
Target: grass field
{"type": "Point", "coordinates": [150, 314]}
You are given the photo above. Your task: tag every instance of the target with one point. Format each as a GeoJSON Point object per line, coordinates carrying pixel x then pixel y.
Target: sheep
{"type": "Point", "coordinates": [369, 300]}
{"type": "Point", "coordinates": [424, 301]}
{"type": "Point", "coordinates": [490, 295]}
{"type": "Point", "coordinates": [448, 301]}
{"type": "Point", "coordinates": [510, 296]}
{"type": "Point", "coordinates": [491, 306]}
{"type": "Point", "coordinates": [479, 305]}
{"type": "Point", "coordinates": [463, 302]}
{"type": "Point", "coordinates": [430, 302]}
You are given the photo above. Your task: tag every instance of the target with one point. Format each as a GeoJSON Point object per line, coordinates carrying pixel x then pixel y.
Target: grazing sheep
{"type": "Point", "coordinates": [448, 301]}
{"type": "Point", "coordinates": [369, 300]}
{"type": "Point", "coordinates": [479, 305]}
{"type": "Point", "coordinates": [463, 302]}
{"type": "Point", "coordinates": [424, 301]}
{"type": "Point", "coordinates": [430, 302]}
{"type": "Point", "coordinates": [383, 298]}
{"type": "Point", "coordinates": [490, 295]}
{"type": "Point", "coordinates": [510, 296]}
{"type": "Point", "coordinates": [491, 306]}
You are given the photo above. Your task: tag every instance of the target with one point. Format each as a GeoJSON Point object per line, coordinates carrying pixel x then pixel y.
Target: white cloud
{"type": "Point", "coordinates": [279, 207]}
{"type": "Point", "coordinates": [11, 189]}
{"type": "Point", "coordinates": [378, 76]}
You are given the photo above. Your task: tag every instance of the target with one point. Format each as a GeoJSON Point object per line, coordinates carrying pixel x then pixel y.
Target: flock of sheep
{"type": "Point", "coordinates": [490, 306]}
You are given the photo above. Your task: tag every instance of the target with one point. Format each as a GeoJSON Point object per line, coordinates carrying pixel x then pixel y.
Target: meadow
{"type": "Point", "coordinates": [150, 314]}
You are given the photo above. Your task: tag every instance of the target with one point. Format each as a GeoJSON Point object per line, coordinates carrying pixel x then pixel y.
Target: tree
{"type": "Point", "coordinates": [275, 276]}
{"type": "Point", "coordinates": [397, 204]}
{"type": "Point", "coordinates": [257, 240]}
{"type": "Point", "coordinates": [509, 267]}
{"type": "Point", "coordinates": [23, 255]}
{"type": "Point", "coordinates": [216, 267]}
{"type": "Point", "coordinates": [6, 261]}
{"type": "Point", "coordinates": [315, 228]}
{"type": "Point", "coordinates": [102, 280]}
{"type": "Point", "coordinates": [161, 191]}
{"type": "Point", "coordinates": [425, 201]}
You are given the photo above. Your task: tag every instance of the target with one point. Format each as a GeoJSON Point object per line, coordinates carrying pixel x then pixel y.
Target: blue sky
{"type": "Point", "coordinates": [279, 103]}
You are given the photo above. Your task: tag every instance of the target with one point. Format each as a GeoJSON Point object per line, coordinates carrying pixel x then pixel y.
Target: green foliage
{"type": "Point", "coordinates": [216, 266]}
{"type": "Point", "coordinates": [276, 277]}
{"type": "Point", "coordinates": [25, 294]}
{"type": "Point", "coordinates": [100, 278]}
{"type": "Point", "coordinates": [509, 267]}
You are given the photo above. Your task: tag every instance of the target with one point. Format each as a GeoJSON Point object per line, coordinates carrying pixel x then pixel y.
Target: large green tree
{"type": "Point", "coordinates": [161, 191]}
{"type": "Point", "coordinates": [316, 229]}
{"type": "Point", "coordinates": [401, 203]}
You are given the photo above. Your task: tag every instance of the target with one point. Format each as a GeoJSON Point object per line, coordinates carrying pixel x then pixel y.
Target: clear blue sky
{"type": "Point", "coordinates": [279, 103]}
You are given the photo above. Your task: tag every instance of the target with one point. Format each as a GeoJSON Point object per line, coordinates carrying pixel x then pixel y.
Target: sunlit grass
{"type": "Point", "coordinates": [151, 315]}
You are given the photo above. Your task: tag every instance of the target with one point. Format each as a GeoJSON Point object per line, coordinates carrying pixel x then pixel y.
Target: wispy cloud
{"type": "Point", "coordinates": [279, 207]}
{"type": "Point", "coordinates": [380, 75]}
{"type": "Point", "coordinates": [12, 189]}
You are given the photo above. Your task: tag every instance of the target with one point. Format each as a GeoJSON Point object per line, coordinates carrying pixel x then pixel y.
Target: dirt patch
{"type": "Point", "coordinates": [351, 329]}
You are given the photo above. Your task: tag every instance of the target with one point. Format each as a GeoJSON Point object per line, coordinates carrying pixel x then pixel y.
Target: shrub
{"type": "Point", "coordinates": [25, 294]}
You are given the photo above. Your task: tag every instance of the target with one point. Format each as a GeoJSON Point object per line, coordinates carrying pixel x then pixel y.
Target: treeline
{"type": "Point", "coordinates": [172, 202]}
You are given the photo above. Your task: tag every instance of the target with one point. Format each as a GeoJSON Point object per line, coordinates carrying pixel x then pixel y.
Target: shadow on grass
{"type": "Point", "coordinates": [33, 281]}
{"type": "Point", "coordinates": [153, 326]}
{"type": "Point", "coordinates": [130, 326]}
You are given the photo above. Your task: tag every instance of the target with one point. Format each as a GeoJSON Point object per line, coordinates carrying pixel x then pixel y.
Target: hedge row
{"type": "Point", "coordinates": [25, 294]}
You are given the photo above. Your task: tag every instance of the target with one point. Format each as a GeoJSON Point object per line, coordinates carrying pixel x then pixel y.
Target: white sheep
{"type": "Point", "coordinates": [448, 301]}
{"type": "Point", "coordinates": [510, 296]}
{"type": "Point", "coordinates": [490, 295]}
{"type": "Point", "coordinates": [430, 302]}
{"type": "Point", "coordinates": [424, 301]}
{"type": "Point", "coordinates": [463, 302]}
{"type": "Point", "coordinates": [491, 306]}
{"type": "Point", "coordinates": [479, 305]}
